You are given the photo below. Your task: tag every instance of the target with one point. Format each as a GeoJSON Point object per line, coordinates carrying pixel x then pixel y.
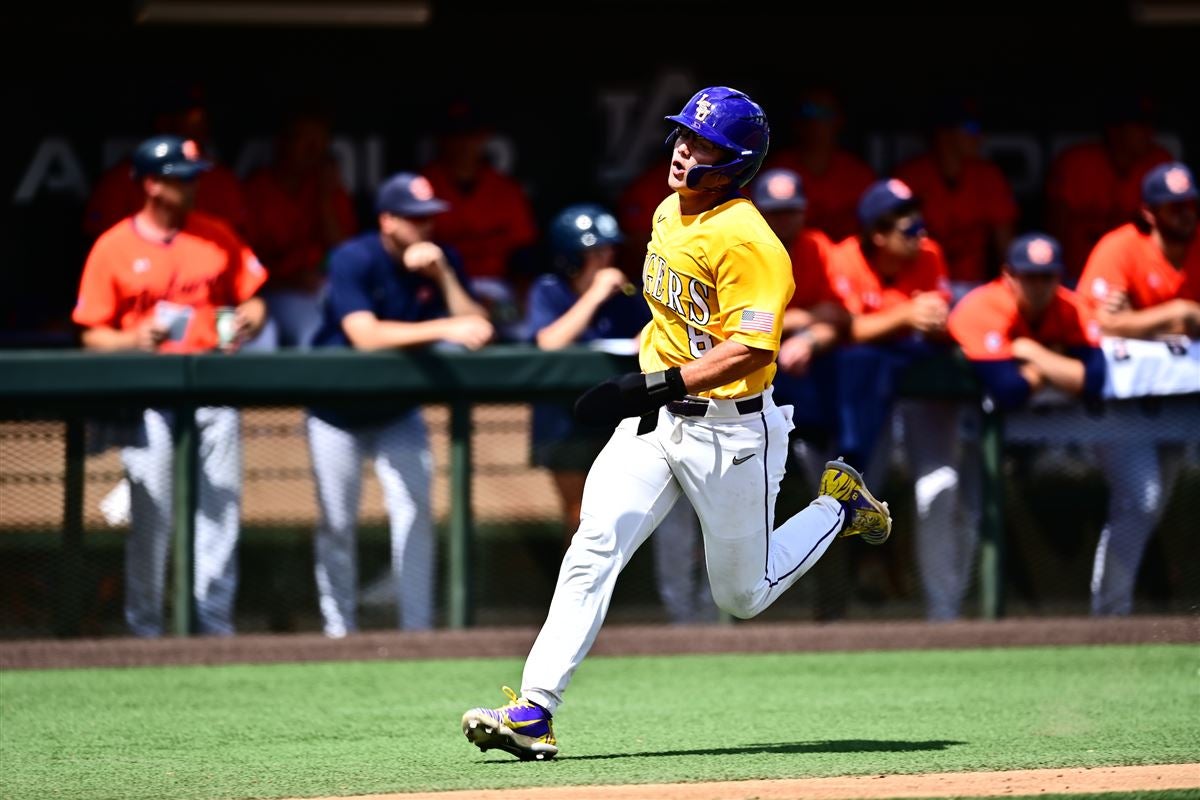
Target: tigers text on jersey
{"type": "Point", "coordinates": [721, 274]}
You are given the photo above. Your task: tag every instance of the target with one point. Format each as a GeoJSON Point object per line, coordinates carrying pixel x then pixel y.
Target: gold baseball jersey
{"type": "Point", "coordinates": [722, 274]}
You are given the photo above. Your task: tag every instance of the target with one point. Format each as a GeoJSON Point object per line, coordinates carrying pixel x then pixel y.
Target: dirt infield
{"type": "Point", "coordinates": [744, 637]}
{"type": "Point", "coordinates": [876, 787]}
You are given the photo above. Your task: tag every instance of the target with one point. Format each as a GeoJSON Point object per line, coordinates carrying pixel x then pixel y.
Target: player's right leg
{"type": "Point", "coordinates": [148, 463]}
{"type": "Point", "coordinates": [404, 465]}
{"type": "Point", "coordinates": [336, 455]}
{"type": "Point", "coordinates": [629, 490]}
{"type": "Point", "coordinates": [218, 517]}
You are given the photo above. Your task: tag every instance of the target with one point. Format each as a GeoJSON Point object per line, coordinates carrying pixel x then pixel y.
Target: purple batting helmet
{"type": "Point", "coordinates": [731, 120]}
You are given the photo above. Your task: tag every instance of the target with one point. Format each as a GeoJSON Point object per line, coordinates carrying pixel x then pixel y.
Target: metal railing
{"type": "Point", "coordinates": [76, 386]}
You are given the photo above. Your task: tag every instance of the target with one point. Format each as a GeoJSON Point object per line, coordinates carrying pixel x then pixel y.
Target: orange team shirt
{"type": "Point", "coordinates": [1127, 260]}
{"type": "Point", "coordinates": [118, 194]}
{"type": "Point", "coordinates": [986, 322]}
{"type": "Point", "coordinates": [487, 225]}
{"type": "Point", "coordinates": [961, 217]}
{"type": "Point", "coordinates": [833, 195]}
{"type": "Point", "coordinates": [205, 266]}
{"type": "Point", "coordinates": [1097, 199]}
{"type": "Point", "coordinates": [810, 252]}
{"type": "Point", "coordinates": [862, 289]}
{"type": "Point", "coordinates": [286, 231]}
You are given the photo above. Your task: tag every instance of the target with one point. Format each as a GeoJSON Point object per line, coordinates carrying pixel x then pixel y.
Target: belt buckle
{"type": "Point", "coordinates": [687, 407]}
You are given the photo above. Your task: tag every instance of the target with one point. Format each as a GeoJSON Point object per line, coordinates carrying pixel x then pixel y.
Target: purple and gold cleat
{"type": "Point", "coordinates": [865, 516]}
{"type": "Point", "coordinates": [518, 727]}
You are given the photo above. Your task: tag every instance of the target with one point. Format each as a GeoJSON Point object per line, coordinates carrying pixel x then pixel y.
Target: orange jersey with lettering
{"type": "Point", "coordinates": [205, 266]}
{"type": "Point", "coordinates": [1095, 197]}
{"type": "Point", "coordinates": [1127, 260]}
{"type": "Point", "coordinates": [961, 217]}
{"type": "Point", "coordinates": [832, 195]}
{"type": "Point", "coordinates": [864, 291]}
{"type": "Point", "coordinates": [810, 252]}
{"type": "Point", "coordinates": [987, 321]}
{"type": "Point", "coordinates": [118, 195]}
{"type": "Point", "coordinates": [485, 225]}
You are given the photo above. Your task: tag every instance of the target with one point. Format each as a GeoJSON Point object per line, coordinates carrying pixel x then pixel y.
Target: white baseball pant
{"type": "Point", "coordinates": [1138, 490]}
{"type": "Point", "coordinates": [149, 465]}
{"type": "Point", "coordinates": [946, 485]}
{"type": "Point", "coordinates": [729, 466]}
{"type": "Point", "coordinates": [404, 466]}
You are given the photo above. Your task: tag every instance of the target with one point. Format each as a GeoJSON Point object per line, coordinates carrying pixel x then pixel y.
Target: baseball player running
{"type": "Point", "coordinates": [697, 421]}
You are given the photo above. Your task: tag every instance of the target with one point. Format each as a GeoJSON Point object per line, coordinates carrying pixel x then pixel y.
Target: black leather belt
{"type": "Point", "coordinates": [698, 408]}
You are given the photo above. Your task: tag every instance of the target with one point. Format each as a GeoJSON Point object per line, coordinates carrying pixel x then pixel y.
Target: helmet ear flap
{"type": "Point", "coordinates": [731, 120]}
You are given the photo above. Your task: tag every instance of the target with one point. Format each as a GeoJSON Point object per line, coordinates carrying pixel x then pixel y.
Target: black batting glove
{"type": "Point", "coordinates": [630, 395]}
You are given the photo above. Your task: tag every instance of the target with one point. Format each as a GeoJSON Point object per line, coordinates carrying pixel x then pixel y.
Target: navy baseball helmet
{"type": "Point", "coordinates": [578, 228]}
{"type": "Point", "coordinates": [731, 120]}
{"type": "Point", "coordinates": [169, 157]}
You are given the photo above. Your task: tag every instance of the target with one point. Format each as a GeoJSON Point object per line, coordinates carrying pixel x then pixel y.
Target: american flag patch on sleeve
{"type": "Point", "coordinates": [757, 321]}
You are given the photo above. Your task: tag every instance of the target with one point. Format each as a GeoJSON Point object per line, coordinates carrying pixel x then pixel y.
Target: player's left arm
{"type": "Point", "coordinates": [729, 361]}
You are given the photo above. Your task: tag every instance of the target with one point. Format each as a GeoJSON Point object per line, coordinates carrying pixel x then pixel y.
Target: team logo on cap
{"type": "Point", "coordinates": [703, 108]}
{"type": "Point", "coordinates": [190, 150]}
{"type": "Point", "coordinates": [899, 188]}
{"type": "Point", "coordinates": [1040, 252]}
{"type": "Point", "coordinates": [421, 188]}
{"type": "Point", "coordinates": [992, 341]}
{"type": "Point", "coordinates": [1177, 180]}
{"type": "Point", "coordinates": [781, 187]}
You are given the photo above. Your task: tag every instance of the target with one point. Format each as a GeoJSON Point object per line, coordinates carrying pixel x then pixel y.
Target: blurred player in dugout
{"type": "Point", "coordinates": [184, 112]}
{"type": "Point", "coordinates": [1142, 281]}
{"type": "Point", "coordinates": [389, 289]}
{"type": "Point", "coordinates": [893, 280]}
{"type": "Point", "coordinates": [1094, 186]}
{"type": "Point", "coordinates": [490, 221]}
{"type": "Point", "coordinates": [298, 211]}
{"type": "Point", "coordinates": [154, 281]}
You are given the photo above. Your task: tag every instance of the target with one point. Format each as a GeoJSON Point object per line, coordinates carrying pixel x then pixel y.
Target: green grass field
{"type": "Point", "coordinates": [355, 728]}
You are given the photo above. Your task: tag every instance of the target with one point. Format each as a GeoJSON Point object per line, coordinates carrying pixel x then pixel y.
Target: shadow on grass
{"type": "Point", "coordinates": [790, 748]}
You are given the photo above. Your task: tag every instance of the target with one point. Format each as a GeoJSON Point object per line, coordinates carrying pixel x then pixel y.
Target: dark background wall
{"type": "Point", "coordinates": [578, 95]}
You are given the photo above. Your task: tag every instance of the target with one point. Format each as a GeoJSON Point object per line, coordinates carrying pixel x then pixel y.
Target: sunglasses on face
{"type": "Point", "coordinates": [912, 230]}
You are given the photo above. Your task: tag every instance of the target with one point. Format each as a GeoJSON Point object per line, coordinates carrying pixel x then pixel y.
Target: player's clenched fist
{"type": "Point", "coordinates": [630, 395]}
{"type": "Point", "coordinates": [426, 258]}
{"type": "Point", "coordinates": [607, 282]}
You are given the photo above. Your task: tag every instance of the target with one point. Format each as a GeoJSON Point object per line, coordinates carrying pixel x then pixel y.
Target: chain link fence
{"type": "Point", "coordinates": [1056, 504]}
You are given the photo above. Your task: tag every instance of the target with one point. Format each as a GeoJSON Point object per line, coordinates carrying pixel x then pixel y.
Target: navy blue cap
{"type": "Point", "coordinates": [779, 190]}
{"type": "Point", "coordinates": [1035, 253]}
{"type": "Point", "coordinates": [407, 194]}
{"type": "Point", "coordinates": [1168, 183]}
{"type": "Point", "coordinates": [169, 157]}
{"type": "Point", "coordinates": [883, 197]}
